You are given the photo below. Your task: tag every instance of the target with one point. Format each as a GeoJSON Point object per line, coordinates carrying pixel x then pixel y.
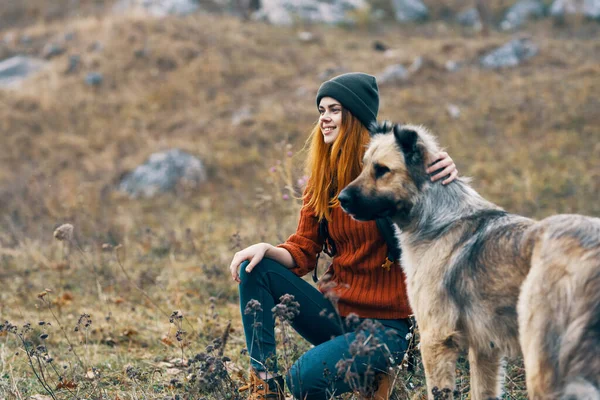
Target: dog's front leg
{"type": "Point", "coordinates": [486, 374]}
{"type": "Point", "coordinates": [439, 353]}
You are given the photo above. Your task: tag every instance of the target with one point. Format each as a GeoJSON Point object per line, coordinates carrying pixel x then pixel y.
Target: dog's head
{"type": "Point", "coordinates": [393, 173]}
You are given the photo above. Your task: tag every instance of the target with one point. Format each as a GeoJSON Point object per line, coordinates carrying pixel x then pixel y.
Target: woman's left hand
{"type": "Point", "coordinates": [444, 163]}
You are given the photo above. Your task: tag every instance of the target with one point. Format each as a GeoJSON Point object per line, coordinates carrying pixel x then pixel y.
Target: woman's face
{"type": "Point", "coordinates": [330, 120]}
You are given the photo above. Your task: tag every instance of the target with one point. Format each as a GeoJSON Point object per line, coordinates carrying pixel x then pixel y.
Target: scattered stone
{"type": "Point", "coordinates": [378, 14]}
{"type": "Point", "coordinates": [416, 65]}
{"type": "Point", "coordinates": [73, 65]}
{"type": "Point", "coordinates": [521, 12]}
{"type": "Point", "coordinates": [453, 110]}
{"type": "Point", "coordinates": [179, 362]}
{"type": "Point", "coordinates": [587, 8]}
{"type": "Point", "coordinates": [69, 36]}
{"type": "Point", "coordinates": [16, 69]}
{"type": "Point", "coordinates": [510, 55]}
{"type": "Point", "coordinates": [307, 37]}
{"type": "Point", "coordinates": [52, 50]}
{"type": "Point", "coordinates": [158, 8]}
{"type": "Point", "coordinates": [140, 53]}
{"type": "Point", "coordinates": [393, 73]}
{"type": "Point", "coordinates": [91, 374]}
{"type": "Point", "coordinates": [96, 46]}
{"type": "Point", "coordinates": [26, 39]}
{"type": "Point", "coordinates": [470, 18]}
{"type": "Point", "coordinates": [162, 172]}
{"type": "Point", "coordinates": [379, 46]}
{"type": "Point", "coordinates": [241, 116]}
{"type": "Point", "coordinates": [174, 371]}
{"type": "Point", "coordinates": [452, 66]}
{"type": "Point", "coordinates": [410, 10]}
{"type": "Point", "coordinates": [94, 79]}
{"type": "Point", "coordinates": [287, 12]}
{"type": "Point", "coordinates": [331, 72]}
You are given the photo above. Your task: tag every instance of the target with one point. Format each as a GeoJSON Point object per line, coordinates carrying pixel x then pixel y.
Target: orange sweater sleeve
{"type": "Point", "coordinates": [305, 244]}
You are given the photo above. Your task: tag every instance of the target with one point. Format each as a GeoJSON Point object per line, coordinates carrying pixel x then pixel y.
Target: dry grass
{"type": "Point", "coordinates": [527, 135]}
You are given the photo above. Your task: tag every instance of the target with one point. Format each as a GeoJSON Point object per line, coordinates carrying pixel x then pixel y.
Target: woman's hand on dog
{"type": "Point", "coordinates": [442, 161]}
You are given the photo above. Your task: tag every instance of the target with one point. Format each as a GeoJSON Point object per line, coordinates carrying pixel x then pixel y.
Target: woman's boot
{"type": "Point", "coordinates": [264, 389]}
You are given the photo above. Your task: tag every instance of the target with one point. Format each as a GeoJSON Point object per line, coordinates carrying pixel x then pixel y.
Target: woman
{"type": "Point", "coordinates": [358, 289]}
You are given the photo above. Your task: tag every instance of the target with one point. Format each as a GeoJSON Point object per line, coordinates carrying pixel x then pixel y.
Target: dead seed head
{"type": "Point", "coordinates": [64, 233]}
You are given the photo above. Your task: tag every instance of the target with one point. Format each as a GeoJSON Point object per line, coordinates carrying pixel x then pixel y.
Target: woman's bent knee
{"type": "Point", "coordinates": [266, 265]}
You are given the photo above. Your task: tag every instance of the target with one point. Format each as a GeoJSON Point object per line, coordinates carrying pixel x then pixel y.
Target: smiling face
{"type": "Point", "coordinates": [330, 120]}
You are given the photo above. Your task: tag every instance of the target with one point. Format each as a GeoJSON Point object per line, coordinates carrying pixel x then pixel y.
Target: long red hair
{"type": "Point", "coordinates": [332, 166]}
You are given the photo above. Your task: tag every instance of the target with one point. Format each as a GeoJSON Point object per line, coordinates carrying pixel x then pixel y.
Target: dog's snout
{"type": "Point", "coordinates": [345, 198]}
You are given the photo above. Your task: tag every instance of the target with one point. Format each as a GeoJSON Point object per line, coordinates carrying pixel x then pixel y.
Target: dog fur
{"type": "Point", "coordinates": [559, 310]}
{"type": "Point", "coordinates": [464, 257]}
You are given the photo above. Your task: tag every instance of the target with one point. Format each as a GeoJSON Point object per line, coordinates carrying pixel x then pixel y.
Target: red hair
{"type": "Point", "coordinates": [332, 166]}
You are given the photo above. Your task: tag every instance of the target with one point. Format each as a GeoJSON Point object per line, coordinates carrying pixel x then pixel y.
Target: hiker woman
{"type": "Point", "coordinates": [360, 286]}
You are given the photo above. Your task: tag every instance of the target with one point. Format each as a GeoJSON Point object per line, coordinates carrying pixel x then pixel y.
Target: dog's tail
{"type": "Point", "coordinates": [580, 389]}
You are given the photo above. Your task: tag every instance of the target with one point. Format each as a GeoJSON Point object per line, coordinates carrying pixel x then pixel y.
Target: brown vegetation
{"type": "Point", "coordinates": [528, 136]}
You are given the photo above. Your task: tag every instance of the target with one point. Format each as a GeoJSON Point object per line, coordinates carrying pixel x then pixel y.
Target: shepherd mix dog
{"type": "Point", "coordinates": [465, 260]}
{"type": "Point", "coordinates": [559, 309]}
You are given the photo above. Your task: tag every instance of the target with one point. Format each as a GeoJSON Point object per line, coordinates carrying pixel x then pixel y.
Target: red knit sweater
{"type": "Point", "coordinates": [363, 286]}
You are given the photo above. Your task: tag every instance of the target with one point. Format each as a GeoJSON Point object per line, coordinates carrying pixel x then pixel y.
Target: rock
{"type": "Point", "coordinates": [587, 8]}
{"type": "Point", "coordinates": [379, 46]}
{"type": "Point", "coordinates": [416, 65]}
{"type": "Point", "coordinates": [393, 73]}
{"type": "Point", "coordinates": [52, 50]}
{"type": "Point", "coordinates": [174, 371]}
{"type": "Point", "coordinates": [241, 116]}
{"type": "Point", "coordinates": [308, 37]}
{"type": "Point", "coordinates": [16, 69]}
{"type": "Point", "coordinates": [94, 79]}
{"type": "Point", "coordinates": [286, 12]}
{"type": "Point", "coordinates": [453, 110]}
{"type": "Point", "coordinates": [469, 18]}
{"type": "Point", "coordinates": [73, 63]}
{"type": "Point", "coordinates": [452, 66]}
{"type": "Point", "coordinates": [510, 55]}
{"type": "Point", "coordinates": [96, 46]}
{"type": "Point", "coordinates": [410, 10]}
{"type": "Point", "coordinates": [520, 12]}
{"type": "Point", "coordinates": [162, 172]}
{"type": "Point", "coordinates": [158, 8]}
{"type": "Point", "coordinates": [331, 72]}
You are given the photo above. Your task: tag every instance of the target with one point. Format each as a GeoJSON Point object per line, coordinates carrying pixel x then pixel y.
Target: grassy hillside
{"type": "Point", "coordinates": [527, 135]}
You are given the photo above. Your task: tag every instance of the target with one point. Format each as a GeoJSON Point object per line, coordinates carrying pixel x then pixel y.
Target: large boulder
{"type": "Point", "coordinates": [521, 12]}
{"type": "Point", "coordinates": [18, 68]}
{"type": "Point", "coordinates": [510, 55]}
{"type": "Point", "coordinates": [286, 12]}
{"type": "Point", "coordinates": [587, 8]}
{"type": "Point", "coordinates": [410, 10]}
{"type": "Point", "coordinates": [162, 173]}
{"type": "Point", "coordinates": [392, 74]}
{"type": "Point", "coordinates": [158, 8]}
{"type": "Point", "coordinates": [469, 18]}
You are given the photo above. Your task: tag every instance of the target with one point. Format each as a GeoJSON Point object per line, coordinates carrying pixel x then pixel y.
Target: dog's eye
{"type": "Point", "coordinates": [380, 170]}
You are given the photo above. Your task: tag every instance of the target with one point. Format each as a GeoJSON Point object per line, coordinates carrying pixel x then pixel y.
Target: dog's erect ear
{"type": "Point", "coordinates": [407, 140]}
{"type": "Point", "coordinates": [376, 128]}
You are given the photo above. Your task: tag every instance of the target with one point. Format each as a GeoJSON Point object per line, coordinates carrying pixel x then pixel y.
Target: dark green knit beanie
{"type": "Point", "coordinates": [357, 92]}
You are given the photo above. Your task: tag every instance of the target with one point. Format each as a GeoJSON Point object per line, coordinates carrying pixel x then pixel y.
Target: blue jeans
{"type": "Point", "coordinates": [315, 374]}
